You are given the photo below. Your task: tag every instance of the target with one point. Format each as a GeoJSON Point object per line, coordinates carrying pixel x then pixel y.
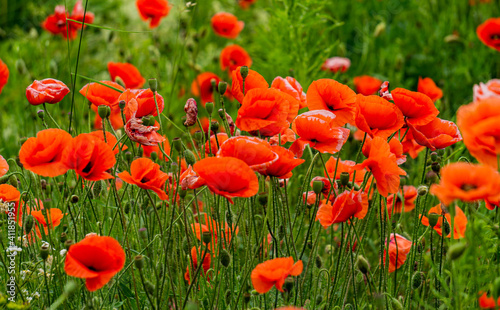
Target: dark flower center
{"type": "Point", "coordinates": [468, 187]}
{"type": "Point", "coordinates": [87, 168]}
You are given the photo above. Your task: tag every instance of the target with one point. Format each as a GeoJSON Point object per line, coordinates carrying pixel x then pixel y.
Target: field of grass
{"type": "Point", "coordinates": [153, 256]}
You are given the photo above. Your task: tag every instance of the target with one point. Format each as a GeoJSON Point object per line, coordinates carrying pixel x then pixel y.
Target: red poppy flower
{"type": "Point", "coordinates": [202, 86]}
{"type": "Point", "coordinates": [377, 116]}
{"type": "Point", "coordinates": [274, 272]}
{"type": "Point", "coordinates": [478, 123]}
{"type": "Point", "coordinates": [115, 117]}
{"type": "Point", "coordinates": [4, 75]}
{"type": "Point", "coordinates": [46, 91]}
{"type": "Point", "coordinates": [410, 146]}
{"type": "Point", "coordinates": [417, 108]}
{"type": "Point", "coordinates": [227, 176]}
{"type": "Point", "coordinates": [486, 302]}
{"type": "Point", "coordinates": [489, 33]}
{"type": "Point", "coordinates": [287, 135]}
{"type": "Point", "coordinates": [110, 141]}
{"type": "Point", "coordinates": [383, 165]}
{"type": "Point", "coordinates": [4, 166]}
{"type": "Point", "coordinates": [153, 10]}
{"type": "Point", "coordinates": [336, 64]}
{"type": "Point", "coordinates": [207, 261]}
{"type": "Point", "coordinates": [99, 94]}
{"type": "Point", "coordinates": [147, 175]}
{"type": "Point", "coordinates": [57, 23]}
{"type": "Point", "coordinates": [253, 80]}
{"type": "Point", "coordinates": [245, 4]}
{"type": "Point", "coordinates": [459, 221]}
{"type": "Point", "coordinates": [488, 90]}
{"type": "Point", "coordinates": [398, 250]}
{"type": "Point", "coordinates": [146, 104]}
{"type": "Point", "coordinates": [437, 134]}
{"type": "Point", "coordinates": [263, 110]}
{"type": "Point", "coordinates": [344, 166]}
{"type": "Point", "coordinates": [346, 205]}
{"type": "Point", "coordinates": [290, 86]}
{"type": "Point", "coordinates": [96, 259]}
{"type": "Point", "coordinates": [282, 168]}
{"type": "Point", "coordinates": [54, 217]}
{"type": "Point", "coordinates": [367, 85]}
{"type": "Point", "coordinates": [42, 155]}
{"type": "Point", "coordinates": [394, 144]}
{"type": "Point", "coordinates": [9, 193]}
{"type": "Point", "coordinates": [148, 150]}
{"type": "Point", "coordinates": [129, 74]}
{"type": "Point", "coordinates": [211, 148]}
{"type": "Point", "coordinates": [90, 156]}
{"type": "Point", "coordinates": [409, 193]}
{"type": "Point", "coordinates": [233, 56]}
{"type": "Point", "coordinates": [226, 25]}
{"type": "Point", "coordinates": [427, 87]}
{"type": "Point", "coordinates": [320, 130]}
{"type": "Point", "coordinates": [137, 132]}
{"type": "Point", "coordinates": [255, 152]}
{"type": "Point", "coordinates": [328, 94]}
{"type": "Point", "coordinates": [467, 182]}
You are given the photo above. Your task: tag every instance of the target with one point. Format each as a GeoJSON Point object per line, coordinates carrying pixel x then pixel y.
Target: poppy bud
{"type": "Point", "coordinates": [262, 199]}
{"type": "Point", "coordinates": [153, 85]}
{"type": "Point", "coordinates": [4, 179]}
{"type": "Point", "coordinates": [416, 279]}
{"type": "Point", "coordinates": [128, 156]}
{"type": "Point", "coordinates": [63, 237]}
{"type": "Point", "coordinates": [318, 187]}
{"type": "Point", "coordinates": [177, 144]}
{"type": "Point", "coordinates": [74, 199]}
{"type": "Point", "coordinates": [119, 81]}
{"type": "Point", "coordinates": [214, 126]}
{"type": "Point", "coordinates": [104, 111]}
{"type": "Point", "coordinates": [436, 167]}
{"type": "Point", "coordinates": [362, 264]}
{"type": "Point", "coordinates": [44, 251]}
{"type": "Point", "coordinates": [122, 104]}
{"type": "Point", "coordinates": [396, 304]}
{"type": "Point", "coordinates": [154, 156]}
{"type": "Point", "coordinates": [148, 120]}
{"type": "Point", "coordinates": [456, 250]}
{"type": "Point", "coordinates": [344, 178]}
{"type": "Point", "coordinates": [41, 114]}
{"type": "Point", "coordinates": [198, 136]}
{"type": "Point", "coordinates": [244, 72]}
{"type": "Point", "coordinates": [28, 224]}
{"type": "Point", "coordinates": [319, 299]}
{"type": "Point", "coordinates": [97, 189]}
{"type": "Point", "coordinates": [225, 258]}
{"type": "Point", "coordinates": [318, 261]}
{"type": "Point", "coordinates": [229, 217]}
{"type": "Point", "coordinates": [13, 180]}
{"type": "Point", "coordinates": [150, 287]}
{"type": "Point", "coordinates": [402, 181]}
{"type": "Point", "coordinates": [446, 228]}
{"type": "Point", "coordinates": [209, 106]}
{"type": "Point", "coordinates": [189, 156]}
{"type": "Point", "coordinates": [441, 152]}
{"type": "Point", "coordinates": [139, 262]}
{"type": "Point", "coordinates": [43, 184]}
{"type": "Point", "coordinates": [422, 190]}
{"type": "Point", "coordinates": [68, 243]}
{"type": "Point", "coordinates": [174, 168]}
{"type": "Point", "coordinates": [434, 156]}
{"type": "Point", "coordinates": [143, 233]}
{"type": "Point", "coordinates": [182, 193]}
{"type": "Point", "coordinates": [288, 285]}
{"type": "Point", "coordinates": [70, 288]}
{"type": "Point", "coordinates": [207, 237]}
{"type": "Point", "coordinates": [246, 298]}
{"type": "Point", "coordinates": [222, 87]}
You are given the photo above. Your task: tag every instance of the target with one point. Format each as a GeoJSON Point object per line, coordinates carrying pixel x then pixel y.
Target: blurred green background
{"type": "Point", "coordinates": [392, 40]}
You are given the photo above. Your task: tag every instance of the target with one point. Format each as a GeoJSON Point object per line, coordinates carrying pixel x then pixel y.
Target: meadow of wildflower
{"type": "Point", "coordinates": [250, 154]}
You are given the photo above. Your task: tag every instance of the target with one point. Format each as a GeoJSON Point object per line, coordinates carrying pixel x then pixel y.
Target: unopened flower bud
{"type": "Point", "coordinates": [153, 85]}
{"type": "Point", "coordinates": [182, 193]}
{"type": "Point", "coordinates": [456, 250]}
{"type": "Point", "coordinates": [417, 279]}
{"type": "Point", "coordinates": [189, 156]}
{"type": "Point", "coordinates": [70, 288]}
{"type": "Point", "coordinates": [362, 264]}
{"type": "Point", "coordinates": [496, 287]}
{"type": "Point", "coordinates": [244, 72]}
{"type": "Point", "coordinates": [128, 156]}
{"type": "Point", "coordinates": [434, 156]}
{"type": "Point", "coordinates": [225, 258]}
{"type": "Point", "coordinates": [436, 167]}
{"type": "Point", "coordinates": [104, 111]}
{"type": "Point", "coordinates": [288, 285]}
{"type": "Point", "coordinates": [433, 219]}
{"type": "Point", "coordinates": [68, 244]}
{"type": "Point", "coordinates": [209, 106]}
{"type": "Point", "coordinates": [13, 180]}
{"type": "Point", "coordinates": [41, 114]}
{"type": "Point", "coordinates": [344, 178]}
{"type": "Point", "coordinates": [214, 126]}
{"type": "Point", "coordinates": [28, 224]}
{"type": "Point", "coordinates": [97, 189]}
{"type": "Point", "coordinates": [74, 199]}
{"type": "Point", "coordinates": [119, 81]}
{"type": "Point", "coordinates": [139, 262]}
{"type": "Point", "coordinates": [246, 298]}
{"type": "Point", "coordinates": [63, 237]}
{"type": "Point", "coordinates": [143, 233]}
{"type": "Point", "coordinates": [44, 251]}
{"type": "Point", "coordinates": [262, 199]}
{"type": "Point", "coordinates": [122, 104]}
{"type": "Point", "coordinates": [422, 190]}
{"type": "Point", "coordinates": [318, 187]}
{"type": "Point", "coordinates": [222, 87]}
{"type": "Point", "coordinates": [148, 120]}
{"type": "Point", "coordinates": [318, 261]}
{"type": "Point", "coordinates": [43, 184]}
{"type": "Point", "coordinates": [154, 156]}
{"type": "Point", "coordinates": [446, 227]}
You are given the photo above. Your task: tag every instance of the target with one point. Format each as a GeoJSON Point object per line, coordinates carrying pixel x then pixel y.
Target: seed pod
{"type": "Point", "coordinates": [222, 87]}
{"type": "Point", "coordinates": [318, 187]}
{"type": "Point", "coordinates": [148, 120]}
{"type": "Point", "coordinates": [433, 219]}
{"type": "Point", "coordinates": [209, 106]}
{"type": "Point", "coordinates": [225, 258]}
{"type": "Point", "coordinates": [344, 178]}
{"type": "Point", "coordinates": [122, 104]}
{"type": "Point", "coordinates": [422, 190]}
{"type": "Point", "coordinates": [456, 251]}
{"type": "Point", "coordinates": [244, 72]}
{"type": "Point", "coordinates": [288, 285]}
{"type": "Point", "coordinates": [139, 262]}
{"type": "Point", "coordinates": [214, 126]}
{"type": "Point", "coordinates": [104, 111]}
{"type": "Point", "coordinates": [207, 237]}
{"type": "Point", "coordinates": [44, 251]}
